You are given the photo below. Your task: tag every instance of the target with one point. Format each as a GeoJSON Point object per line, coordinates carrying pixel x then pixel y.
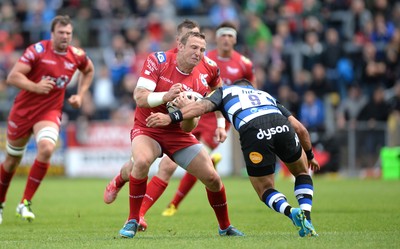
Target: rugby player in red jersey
{"type": "Point", "coordinates": [42, 73]}
{"type": "Point", "coordinates": [159, 182]}
{"type": "Point", "coordinates": [163, 77]}
{"type": "Point", "coordinates": [233, 66]}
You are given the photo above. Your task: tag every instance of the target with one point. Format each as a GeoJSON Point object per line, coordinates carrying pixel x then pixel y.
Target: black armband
{"type": "Point", "coordinates": [310, 154]}
{"type": "Point", "coordinates": [176, 116]}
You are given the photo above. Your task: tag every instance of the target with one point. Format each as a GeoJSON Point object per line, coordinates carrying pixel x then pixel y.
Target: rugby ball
{"type": "Point", "coordinates": [197, 97]}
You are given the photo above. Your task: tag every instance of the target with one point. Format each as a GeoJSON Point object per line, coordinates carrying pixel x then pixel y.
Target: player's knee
{"type": "Point", "coordinates": [166, 170]}
{"type": "Point", "coordinates": [46, 149]}
{"type": "Point", "coordinates": [213, 182]}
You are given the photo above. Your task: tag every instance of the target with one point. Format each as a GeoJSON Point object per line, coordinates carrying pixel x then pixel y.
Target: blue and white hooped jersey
{"type": "Point", "coordinates": [241, 104]}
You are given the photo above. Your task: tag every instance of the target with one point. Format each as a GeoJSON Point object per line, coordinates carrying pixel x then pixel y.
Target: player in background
{"type": "Point", "coordinates": [42, 73]}
{"type": "Point", "coordinates": [266, 129]}
{"type": "Point", "coordinates": [167, 167]}
{"type": "Point", "coordinates": [163, 77]}
{"type": "Point", "coordinates": [233, 66]}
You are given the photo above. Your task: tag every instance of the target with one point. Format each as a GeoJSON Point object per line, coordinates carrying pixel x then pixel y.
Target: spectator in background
{"type": "Point", "coordinates": [283, 31]}
{"type": "Point", "coordinates": [331, 54]}
{"type": "Point", "coordinates": [371, 69]}
{"type": "Point", "coordinates": [312, 113]}
{"type": "Point", "coordinates": [223, 10]}
{"type": "Point", "coordinates": [392, 59]}
{"type": "Point", "coordinates": [273, 82]}
{"type": "Point", "coordinates": [289, 99]}
{"type": "Point", "coordinates": [375, 113]}
{"type": "Point", "coordinates": [301, 82]}
{"type": "Point", "coordinates": [319, 84]}
{"type": "Point", "coordinates": [279, 59]}
{"type": "Point", "coordinates": [383, 30]}
{"type": "Point", "coordinates": [311, 51]}
{"type": "Point", "coordinates": [394, 116]}
{"type": "Point", "coordinates": [350, 107]}
{"type": "Point", "coordinates": [118, 58]}
{"type": "Point", "coordinates": [103, 94]}
{"type": "Point", "coordinates": [359, 16]}
{"type": "Point", "coordinates": [256, 32]}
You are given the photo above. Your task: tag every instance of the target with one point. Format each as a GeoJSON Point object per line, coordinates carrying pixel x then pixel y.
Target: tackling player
{"type": "Point", "coordinates": [266, 129]}
{"type": "Point", "coordinates": [42, 73]}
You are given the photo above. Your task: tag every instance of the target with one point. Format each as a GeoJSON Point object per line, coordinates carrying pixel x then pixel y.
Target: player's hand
{"type": "Point", "coordinates": [173, 92]}
{"type": "Point", "coordinates": [44, 86]}
{"type": "Point", "coordinates": [158, 119]}
{"type": "Point", "coordinates": [75, 101]}
{"type": "Point", "coordinates": [313, 164]}
{"type": "Point", "coordinates": [220, 134]}
{"type": "Point", "coordinates": [182, 100]}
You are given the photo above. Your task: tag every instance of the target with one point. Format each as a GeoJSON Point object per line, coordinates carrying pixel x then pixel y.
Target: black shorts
{"type": "Point", "coordinates": [266, 137]}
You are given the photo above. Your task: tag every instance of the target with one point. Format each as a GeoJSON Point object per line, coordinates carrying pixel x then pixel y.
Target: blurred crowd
{"type": "Point", "coordinates": [333, 63]}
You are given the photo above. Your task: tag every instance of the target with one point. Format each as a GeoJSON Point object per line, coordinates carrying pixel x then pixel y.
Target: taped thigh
{"type": "Point", "coordinates": [14, 150]}
{"type": "Point", "coordinates": [47, 133]}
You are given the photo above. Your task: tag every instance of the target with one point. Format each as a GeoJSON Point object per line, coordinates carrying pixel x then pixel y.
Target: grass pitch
{"type": "Point", "coordinates": [70, 213]}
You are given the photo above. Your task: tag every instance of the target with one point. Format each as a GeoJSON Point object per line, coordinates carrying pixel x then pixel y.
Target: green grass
{"type": "Point", "coordinates": [70, 213]}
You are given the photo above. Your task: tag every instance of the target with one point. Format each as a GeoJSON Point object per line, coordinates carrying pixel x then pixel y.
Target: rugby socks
{"type": "Point", "coordinates": [155, 188]}
{"type": "Point", "coordinates": [277, 201]}
{"type": "Point", "coordinates": [218, 202]}
{"type": "Point", "coordinates": [304, 191]}
{"type": "Point", "coordinates": [119, 181]}
{"type": "Point", "coordinates": [185, 185]}
{"type": "Point", "coordinates": [137, 190]}
{"type": "Point", "coordinates": [5, 179]}
{"type": "Point", "coordinates": [36, 174]}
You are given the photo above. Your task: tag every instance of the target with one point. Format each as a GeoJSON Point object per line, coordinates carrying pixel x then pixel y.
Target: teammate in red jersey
{"type": "Point", "coordinates": [233, 66]}
{"type": "Point", "coordinates": [163, 77]}
{"type": "Point", "coordinates": [42, 73]}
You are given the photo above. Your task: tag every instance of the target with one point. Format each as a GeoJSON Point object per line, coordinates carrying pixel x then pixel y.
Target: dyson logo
{"type": "Point", "coordinates": [267, 134]}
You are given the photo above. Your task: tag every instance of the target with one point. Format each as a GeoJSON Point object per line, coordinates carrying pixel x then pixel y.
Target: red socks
{"type": "Point", "coordinates": [5, 179]}
{"type": "Point", "coordinates": [186, 184]}
{"type": "Point", "coordinates": [35, 177]}
{"type": "Point", "coordinates": [137, 190]}
{"type": "Point", "coordinates": [218, 202]}
{"type": "Point", "coordinates": [155, 188]}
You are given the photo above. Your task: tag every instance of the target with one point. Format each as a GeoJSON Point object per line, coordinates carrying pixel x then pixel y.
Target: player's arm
{"type": "Point", "coordinates": [84, 81]}
{"type": "Point", "coordinates": [18, 78]}
{"type": "Point", "coordinates": [145, 96]}
{"type": "Point", "coordinates": [303, 135]}
{"type": "Point", "coordinates": [220, 132]}
{"type": "Point", "coordinates": [190, 111]}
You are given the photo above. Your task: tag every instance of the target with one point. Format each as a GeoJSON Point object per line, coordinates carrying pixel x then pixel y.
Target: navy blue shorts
{"type": "Point", "coordinates": [266, 137]}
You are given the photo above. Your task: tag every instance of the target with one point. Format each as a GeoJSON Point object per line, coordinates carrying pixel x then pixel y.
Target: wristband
{"type": "Point", "coordinates": [155, 98]}
{"type": "Point", "coordinates": [176, 116]}
{"type": "Point", "coordinates": [221, 123]}
{"type": "Point", "coordinates": [310, 154]}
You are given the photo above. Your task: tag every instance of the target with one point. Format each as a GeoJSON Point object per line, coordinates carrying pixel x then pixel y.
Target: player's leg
{"type": "Point", "coordinates": [15, 150]}
{"type": "Point", "coordinates": [303, 187]}
{"type": "Point", "coordinates": [145, 151]}
{"type": "Point", "coordinates": [115, 185]}
{"type": "Point", "coordinates": [46, 136]}
{"type": "Point", "coordinates": [199, 164]}
{"type": "Point", "coordinates": [188, 180]}
{"type": "Point", "coordinates": [156, 187]}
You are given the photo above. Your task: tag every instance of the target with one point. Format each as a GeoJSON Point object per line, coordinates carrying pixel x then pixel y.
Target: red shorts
{"type": "Point", "coordinates": [205, 130]}
{"type": "Point", "coordinates": [170, 141]}
{"type": "Point", "coordinates": [21, 126]}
